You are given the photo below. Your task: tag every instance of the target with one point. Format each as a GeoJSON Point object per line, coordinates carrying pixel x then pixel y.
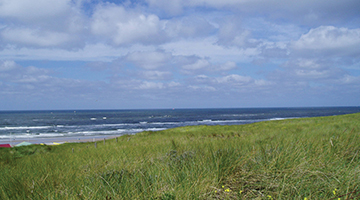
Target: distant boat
{"type": "Point", "coordinates": [104, 117]}
{"type": "Point", "coordinates": [93, 118]}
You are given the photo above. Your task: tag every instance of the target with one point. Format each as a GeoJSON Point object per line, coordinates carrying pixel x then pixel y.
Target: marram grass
{"type": "Point", "coordinates": [307, 158]}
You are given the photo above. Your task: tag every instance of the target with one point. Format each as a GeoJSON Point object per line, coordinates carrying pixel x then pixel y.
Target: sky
{"type": "Point", "coordinates": [147, 54]}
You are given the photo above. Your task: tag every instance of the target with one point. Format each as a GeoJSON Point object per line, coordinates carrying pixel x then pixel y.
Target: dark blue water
{"type": "Point", "coordinates": [87, 123]}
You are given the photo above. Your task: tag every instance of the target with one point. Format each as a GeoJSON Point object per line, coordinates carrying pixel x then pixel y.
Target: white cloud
{"type": "Point", "coordinates": [38, 85]}
{"type": "Point", "coordinates": [42, 23]}
{"type": "Point", "coordinates": [188, 27]}
{"type": "Point", "coordinates": [28, 10]}
{"type": "Point", "coordinates": [90, 52]}
{"type": "Point", "coordinates": [229, 65]}
{"type": "Point", "coordinates": [207, 48]}
{"type": "Point", "coordinates": [199, 64]}
{"type": "Point", "coordinates": [152, 60]}
{"type": "Point", "coordinates": [174, 84]}
{"type": "Point", "coordinates": [147, 85]}
{"type": "Point", "coordinates": [149, 59]}
{"type": "Point", "coordinates": [304, 64]}
{"type": "Point", "coordinates": [329, 38]}
{"type": "Point", "coordinates": [351, 80]}
{"type": "Point", "coordinates": [155, 75]}
{"type": "Point", "coordinates": [202, 65]}
{"type": "Point", "coordinates": [202, 88]}
{"type": "Point", "coordinates": [125, 26]}
{"type": "Point", "coordinates": [234, 78]}
{"type": "Point", "coordinates": [306, 11]}
{"type": "Point", "coordinates": [231, 82]}
{"type": "Point", "coordinates": [8, 65]}
{"type": "Point", "coordinates": [171, 7]}
{"type": "Point", "coordinates": [231, 33]}
{"type": "Point", "coordinates": [42, 38]}
{"type": "Point", "coordinates": [309, 71]}
{"type": "Point", "coordinates": [14, 73]}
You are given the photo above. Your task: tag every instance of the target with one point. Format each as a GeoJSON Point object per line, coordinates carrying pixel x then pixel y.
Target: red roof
{"type": "Point", "coordinates": [5, 145]}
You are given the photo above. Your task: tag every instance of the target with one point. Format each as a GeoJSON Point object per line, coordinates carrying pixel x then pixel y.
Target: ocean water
{"type": "Point", "coordinates": [37, 125]}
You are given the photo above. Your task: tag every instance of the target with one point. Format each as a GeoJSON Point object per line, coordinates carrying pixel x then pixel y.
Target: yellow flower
{"type": "Point", "coordinates": [240, 191]}
{"type": "Point", "coordinates": [305, 198]}
{"type": "Point", "coordinates": [222, 186]}
{"type": "Point", "coordinates": [227, 190]}
{"type": "Point", "coordinates": [335, 191]}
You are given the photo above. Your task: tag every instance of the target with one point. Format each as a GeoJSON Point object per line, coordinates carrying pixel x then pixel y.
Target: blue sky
{"type": "Point", "coordinates": [84, 54]}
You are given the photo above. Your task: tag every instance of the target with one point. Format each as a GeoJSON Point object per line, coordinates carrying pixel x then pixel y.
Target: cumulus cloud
{"type": "Point", "coordinates": [188, 27]}
{"type": "Point", "coordinates": [14, 73]}
{"type": "Point", "coordinates": [155, 75]}
{"type": "Point", "coordinates": [152, 61]}
{"type": "Point", "coordinates": [125, 26]}
{"type": "Point", "coordinates": [231, 82]}
{"type": "Point", "coordinates": [28, 10]}
{"type": "Point", "coordinates": [147, 85]}
{"type": "Point", "coordinates": [34, 81]}
{"type": "Point", "coordinates": [329, 39]}
{"type": "Point", "coordinates": [42, 38]}
{"type": "Point", "coordinates": [229, 65]}
{"type": "Point", "coordinates": [8, 65]}
{"type": "Point", "coordinates": [199, 64]}
{"type": "Point", "coordinates": [307, 11]}
{"type": "Point", "coordinates": [309, 72]}
{"type": "Point", "coordinates": [202, 88]}
{"type": "Point", "coordinates": [232, 34]}
{"type": "Point", "coordinates": [42, 23]}
{"type": "Point", "coordinates": [173, 7]}
{"type": "Point", "coordinates": [149, 59]}
{"type": "Point", "coordinates": [234, 78]}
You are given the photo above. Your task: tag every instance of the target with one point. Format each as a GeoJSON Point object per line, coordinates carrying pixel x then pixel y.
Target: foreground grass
{"type": "Point", "coordinates": [312, 158]}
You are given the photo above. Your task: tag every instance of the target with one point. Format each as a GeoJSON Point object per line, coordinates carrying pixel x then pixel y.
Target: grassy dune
{"type": "Point", "coordinates": [307, 158]}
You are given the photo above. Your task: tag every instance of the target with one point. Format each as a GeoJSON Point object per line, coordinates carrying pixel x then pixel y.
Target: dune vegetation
{"type": "Point", "coordinates": [305, 158]}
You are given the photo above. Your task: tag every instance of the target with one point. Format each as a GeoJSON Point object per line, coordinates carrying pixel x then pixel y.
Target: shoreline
{"type": "Point", "coordinates": [61, 140]}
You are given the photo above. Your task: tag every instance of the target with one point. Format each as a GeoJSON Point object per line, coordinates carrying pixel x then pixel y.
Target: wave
{"type": "Point", "coordinates": [114, 132]}
{"type": "Point", "coordinates": [227, 121]}
{"type": "Point", "coordinates": [118, 125]}
{"type": "Point", "coordinates": [205, 121]}
{"type": "Point", "coordinates": [242, 115]}
{"type": "Point", "coordinates": [99, 125]}
{"type": "Point", "coordinates": [80, 133]}
{"type": "Point", "coordinates": [63, 130]}
{"type": "Point", "coordinates": [26, 136]}
{"type": "Point", "coordinates": [24, 127]}
{"type": "Point", "coordinates": [277, 118]}
{"type": "Point", "coordinates": [280, 118]}
{"type": "Point", "coordinates": [165, 123]}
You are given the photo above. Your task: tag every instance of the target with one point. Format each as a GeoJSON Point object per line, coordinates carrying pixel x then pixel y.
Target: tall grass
{"type": "Point", "coordinates": [313, 158]}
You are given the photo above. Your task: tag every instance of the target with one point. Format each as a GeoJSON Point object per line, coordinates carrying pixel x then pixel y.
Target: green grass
{"type": "Point", "coordinates": [313, 158]}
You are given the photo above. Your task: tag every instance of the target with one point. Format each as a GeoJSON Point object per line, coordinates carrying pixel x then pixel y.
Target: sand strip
{"type": "Point", "coordinates": [14, 142]}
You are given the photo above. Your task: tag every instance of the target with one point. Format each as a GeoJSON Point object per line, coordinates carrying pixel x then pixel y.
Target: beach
{"type": "Point", "coordinates": [59, 140]}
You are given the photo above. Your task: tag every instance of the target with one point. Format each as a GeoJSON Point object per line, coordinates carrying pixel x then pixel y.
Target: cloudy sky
{"type": "Point", "coordinates": [113, 54]}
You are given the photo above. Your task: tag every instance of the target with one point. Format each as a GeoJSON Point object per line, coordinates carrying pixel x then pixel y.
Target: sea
{"type": "Point", "coordinates": [38, 126]}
